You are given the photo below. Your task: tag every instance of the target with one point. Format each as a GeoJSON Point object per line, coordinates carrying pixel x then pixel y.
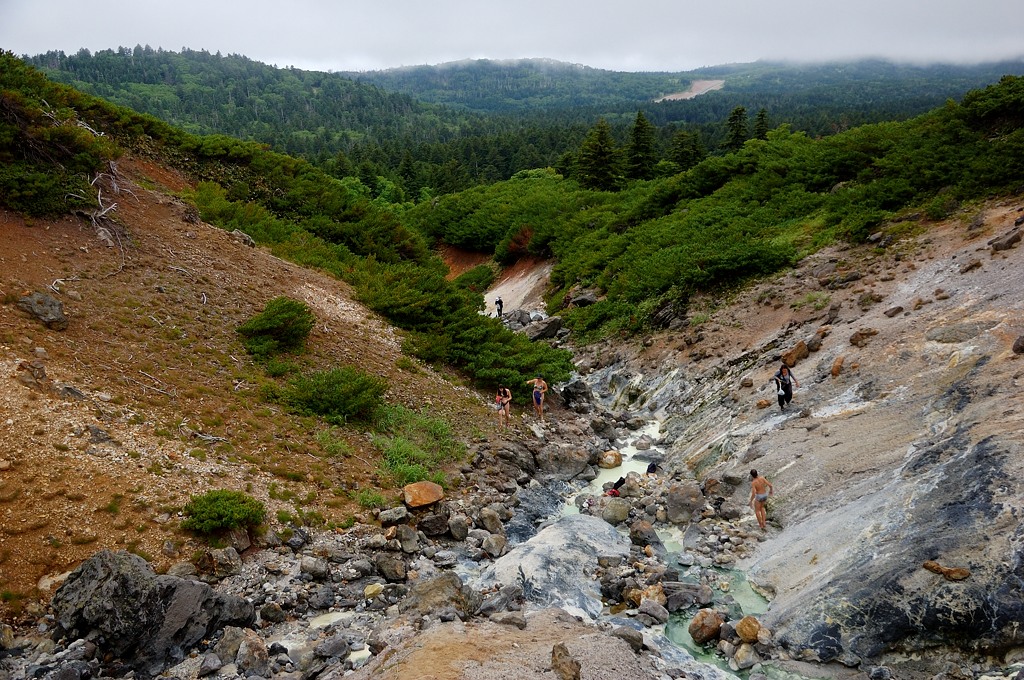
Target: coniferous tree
{"type": "Point", "coordinates": [687, 150]}
{"type": "Point", "coordinates": [736, 129]}
{"type": "Point", "coordinates": [761, 124]}
{"type": "Point", "coordinates": [640, 154]}
{"type": "Point", "coordinates": [597, 161]}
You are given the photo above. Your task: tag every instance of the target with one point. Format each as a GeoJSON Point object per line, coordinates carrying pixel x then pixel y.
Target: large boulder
{"type": "Point", "coordinates": [683, 501]}
{"type": "Point", "coordinates": [422, 494]}
{"type": "Point", "coordinates": [705, 626]}
{"type": "Point", "coordinates": [561, 462]}
{"type": "Point", "coordinates": [442, 592]}
{"type": "Point", "coordinates": [148, 621]}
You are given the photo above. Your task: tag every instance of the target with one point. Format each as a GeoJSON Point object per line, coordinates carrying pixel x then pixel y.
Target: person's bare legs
{"type": "Point", "coordinates": [761, 514]}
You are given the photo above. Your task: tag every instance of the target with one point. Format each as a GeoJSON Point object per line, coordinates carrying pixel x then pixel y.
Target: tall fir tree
{"type": "Point", "coordinates": [641, 155]}
{"type": "Point", "coordinates": [597, 162]}
{"type": "Point", "coordinates": [761, 124]}
{"type": "Point", "coordinates": [687, 150]}
{"type": "Point", "coordinates": [736, 129]}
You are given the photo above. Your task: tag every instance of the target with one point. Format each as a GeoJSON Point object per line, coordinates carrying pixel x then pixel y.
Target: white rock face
{"type": "Point", "coordinates": [558, 564]}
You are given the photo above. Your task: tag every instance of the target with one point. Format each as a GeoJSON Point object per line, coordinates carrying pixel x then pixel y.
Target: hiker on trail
{"type": "Point", "coordinates": [539, 388]}
{"type": "Point", "coordinates": [503, 400]}
{"type": "Point", "coordinates": [784, 382]}
{"type": "Point", "coordinates": [760, 490]}
{"type": "Point", "coordinates": [498, 304]}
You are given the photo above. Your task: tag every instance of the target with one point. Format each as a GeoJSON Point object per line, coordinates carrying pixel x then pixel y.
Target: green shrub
{"type": "Point", "coordinates": [477, 280]}
{"type": "Point", "coordinates": [338, 395]}
{"type": "Point", "coordinates": [222, 509]}
{"type": "Point", "coordinates": [283, 325]}
{"type": "Point", "coordinates": [370, 498]}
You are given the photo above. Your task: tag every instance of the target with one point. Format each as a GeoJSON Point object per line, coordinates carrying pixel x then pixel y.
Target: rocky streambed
{"type": "Point", "coordinates": [893, 547]}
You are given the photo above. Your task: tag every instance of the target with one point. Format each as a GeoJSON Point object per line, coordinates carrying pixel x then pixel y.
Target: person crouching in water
{"type": "Point", "coordinates": [784, 381]}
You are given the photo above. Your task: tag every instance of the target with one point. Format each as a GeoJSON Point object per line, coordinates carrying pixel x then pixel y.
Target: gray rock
{"type": "Point", "coordinates": [253, 658]}
{"type": "Point", "coordinates": [316, 567]}
{"type": "Point", "coordinates": [210, 663]}
{"type": "Point", "coordinates": [654, 610]}
{"type": "Point", "coordinates": [616, 510]}
{"type": "Point", "coordinates": [395, 515]}
{"type": "Point", "coordinates": [149, 620]}
{"type": "Point", "coordinates": [488, 518]}
{"type": "Point", "coordinates": [495, 545]}
{"type": "Point", "coordinates": [634, 637]}
{"type": "Point", "coordinates": [335, 646]}
{"type": "Point", "coordinates": [392, 569]}
{"type": "Point", "coordinates": [514, 619]}
{"type": "Point", "coordinates": [555, 566]}
{"type": "Point", "coordinates": [45, 308]}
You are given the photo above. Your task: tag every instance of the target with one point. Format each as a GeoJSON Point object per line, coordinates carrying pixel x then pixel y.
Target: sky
{"type": "Point", "coordinates": [651, 35]}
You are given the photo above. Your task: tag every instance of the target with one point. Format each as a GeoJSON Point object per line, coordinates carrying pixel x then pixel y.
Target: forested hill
{"type": "Point", "coordinates": [867, 91]}
{"type": "Point", "coordinates": [525, 85]}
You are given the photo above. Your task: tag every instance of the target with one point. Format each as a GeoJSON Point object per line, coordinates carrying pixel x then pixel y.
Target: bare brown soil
{"type": "Point", "coordinates": [173, 405]}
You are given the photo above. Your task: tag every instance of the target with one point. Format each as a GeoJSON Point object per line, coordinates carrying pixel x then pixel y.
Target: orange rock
{"type": "Point", "coordinates": [610, 459]}
{"type": "Point", "coordinates": [837, 366]}
{"type": "Point", "coordinates": [949, 573]}
{"type": "Point", "coordinates": [794, 355]}
{"type": "Point", "coordinates": [764, 403]}
{"type": "Point", "coordinates": [748, 628]}
{"type": "Point", "coordinates": [705, 626]}
{"type": "Point", "coordinates": [419, 494]}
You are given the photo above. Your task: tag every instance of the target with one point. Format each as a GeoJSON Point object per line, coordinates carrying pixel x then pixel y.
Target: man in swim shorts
{"type": "Point", "coordinates": [760, 490]}
{"type": "Point", "coordinates": [539, 388]}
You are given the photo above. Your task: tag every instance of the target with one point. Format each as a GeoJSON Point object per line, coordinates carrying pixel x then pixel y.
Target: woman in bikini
{"type": "Point", "coordinates": [539, 388]}
{"type": "Point", "coordinates": [504, 401]}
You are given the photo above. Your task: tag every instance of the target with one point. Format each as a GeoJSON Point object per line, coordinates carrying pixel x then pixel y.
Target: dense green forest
{"type": "Point", "coordinates": [646, 232]}
{"type": "Point", "coordinates": [54, 140]}
{"type": "Point", "coordinates": [412, 134]}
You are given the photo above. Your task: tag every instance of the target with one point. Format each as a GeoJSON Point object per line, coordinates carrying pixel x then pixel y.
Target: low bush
{"type": "Point", "coordinates": [283, 325]}
{"type": "Point", "coordinates": [338, 395]}
{"type": "Point", "coordinates": [222, 510]}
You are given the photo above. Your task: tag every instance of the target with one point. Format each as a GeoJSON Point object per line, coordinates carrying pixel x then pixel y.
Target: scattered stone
{"type": "Point", "coordinates": [610, 459]}
{"type": "Point", "coordinates": [949, 573]}
{"type": "Point", "coordinates": [837, 366]}
{"type": "Point", "coordinates": [893, 311]}
{"type": "Point", "coordinates": [391, 516]}
{"type": "Point", "coordinates": [654, 610]}
{"type": "Point", "coordinates": [458, 526]}
{"type": "Point", "coordinates": [969, 266]}
{"type": "Point", "coordinates": [563, 665]}
{"type": "Point", "coordinates": [45, 308]}
{"type": "Point", "coordinates": [514, 619]}
{"type": "Point", "coordinates": [1006, 241]}
{"type": "Point", "coordinates": [746, 656]}
{"type": "Point", "coordinates": [634, 637]}
{"type": "Point", "coordinates": [860, 338]}
{"type": "Point", "coordinates": [1018, 345]}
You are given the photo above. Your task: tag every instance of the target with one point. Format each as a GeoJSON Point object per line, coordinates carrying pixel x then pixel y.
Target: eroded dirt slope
{"type": "Point", "coordinates": [160, 400]}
